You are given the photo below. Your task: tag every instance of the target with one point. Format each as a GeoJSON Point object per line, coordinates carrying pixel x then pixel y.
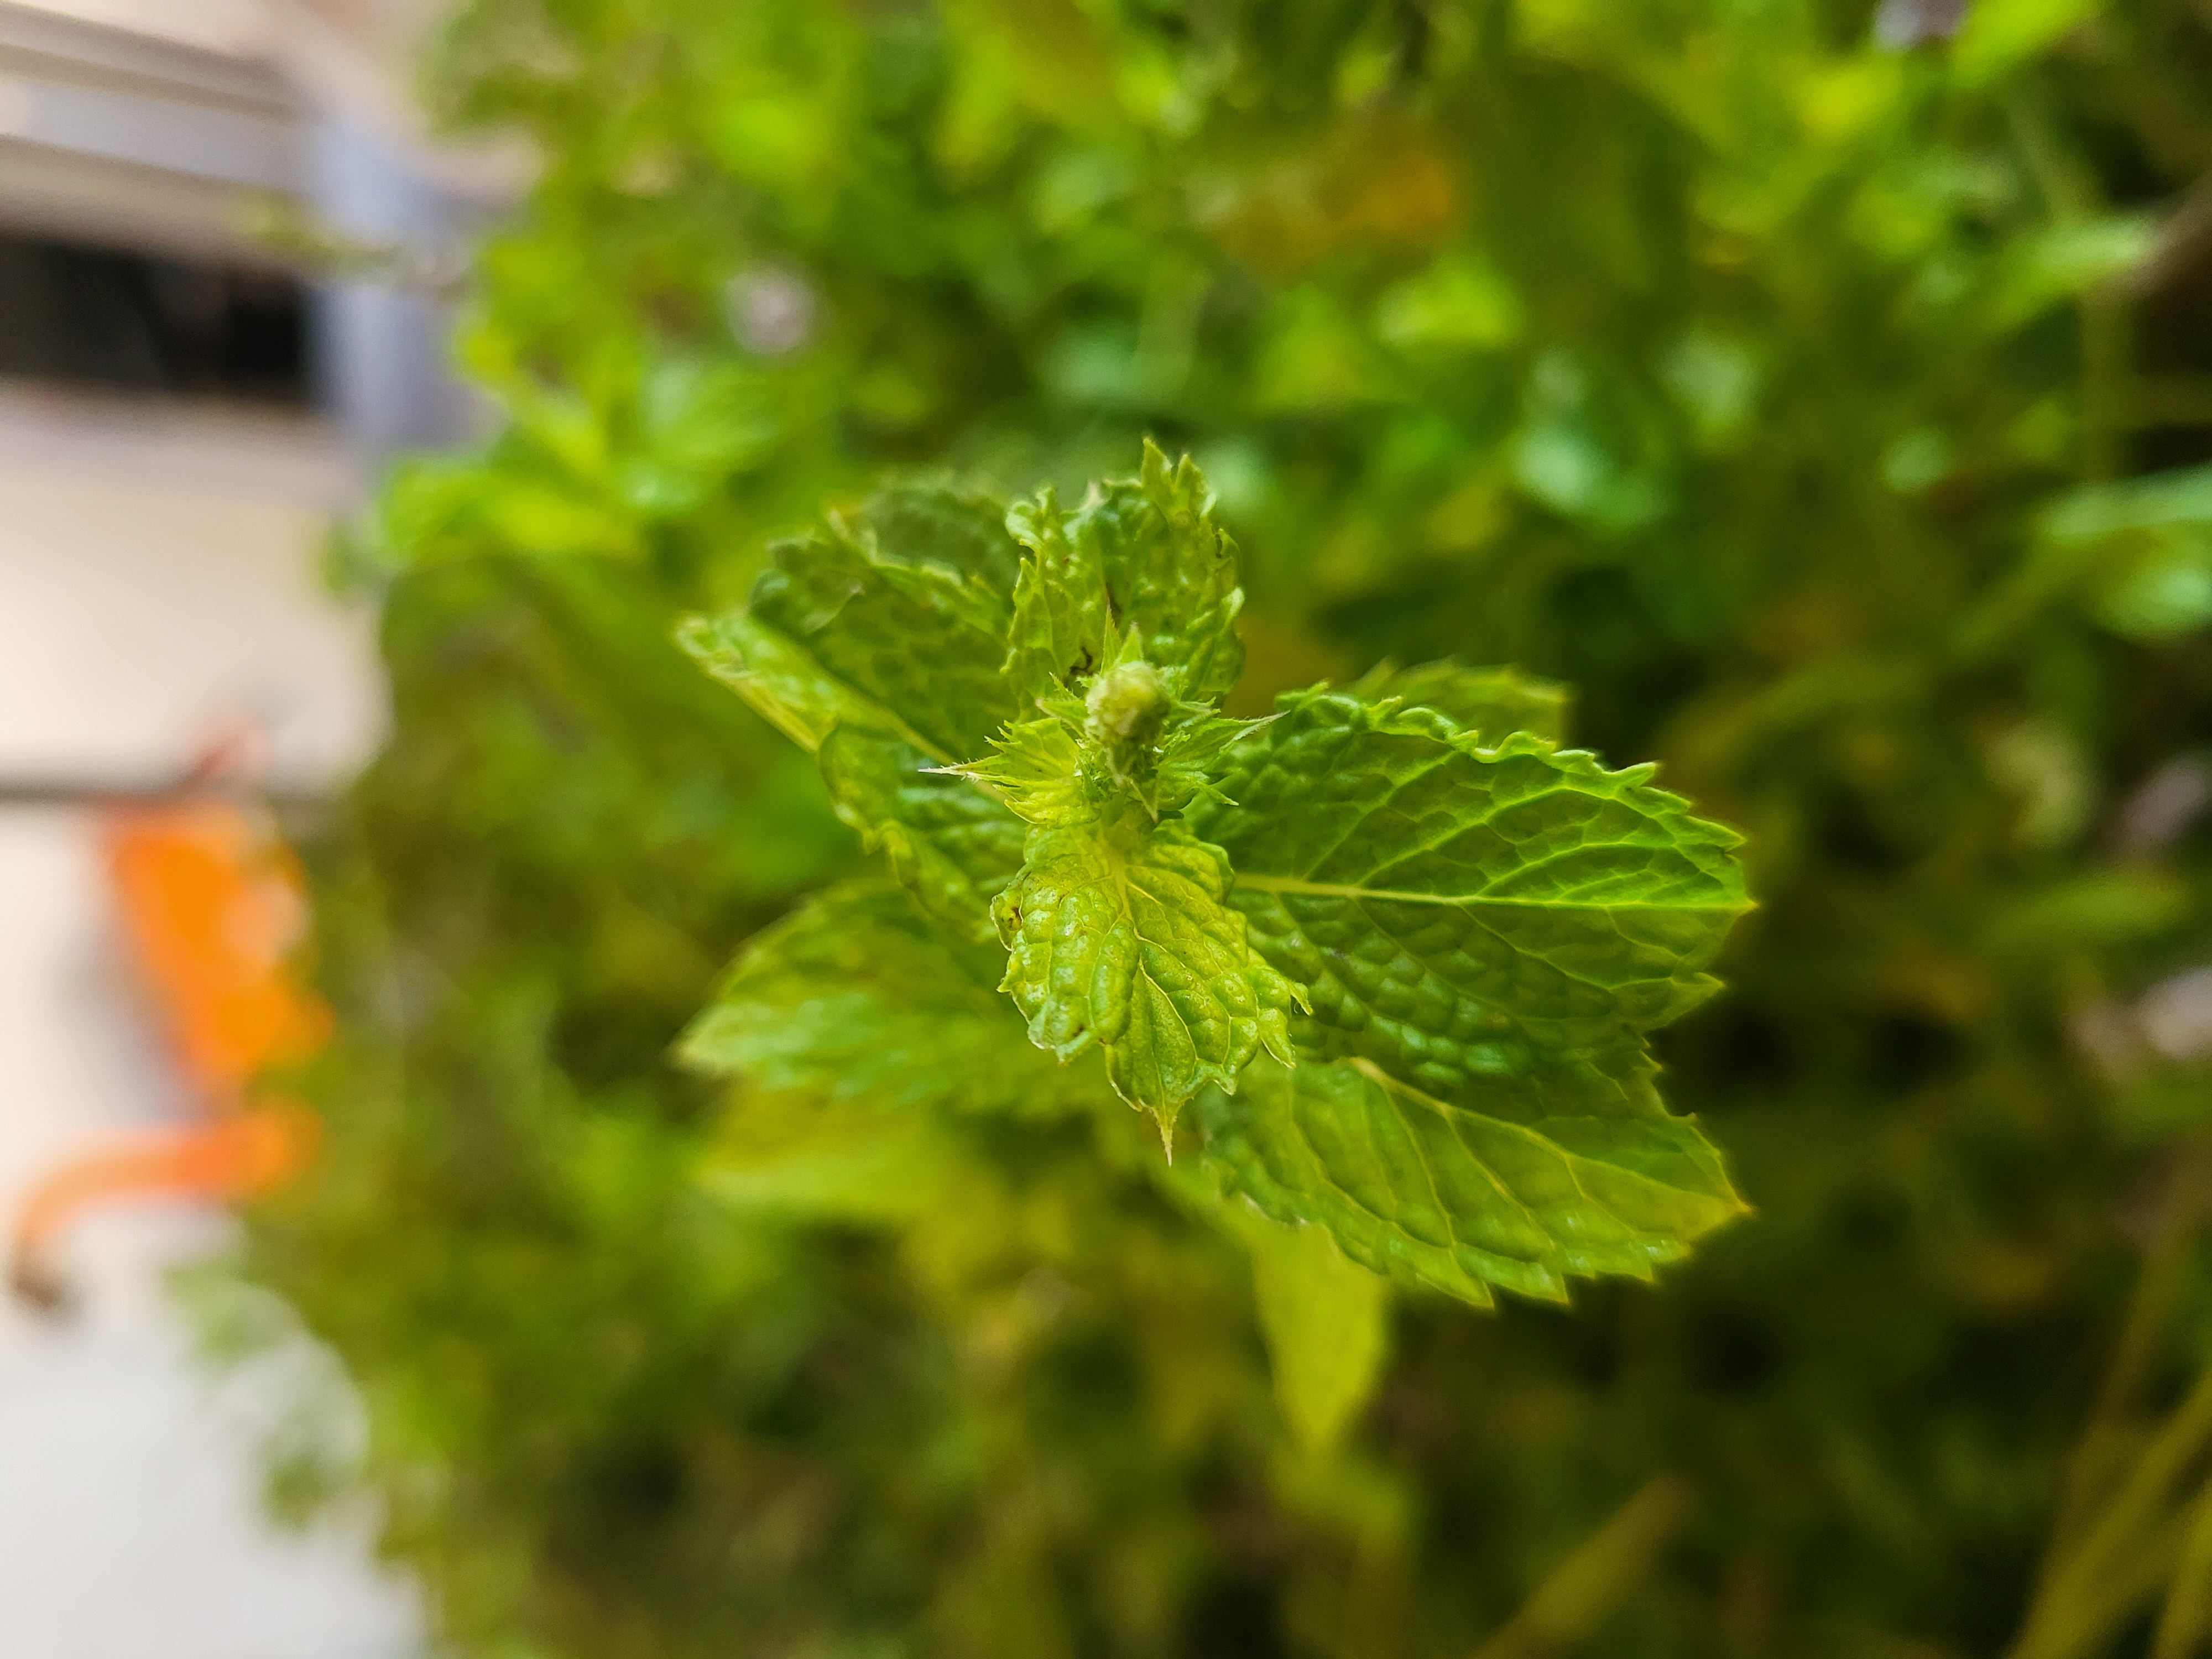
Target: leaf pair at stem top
{"type": "Point", "coordinates": [1401, 950]}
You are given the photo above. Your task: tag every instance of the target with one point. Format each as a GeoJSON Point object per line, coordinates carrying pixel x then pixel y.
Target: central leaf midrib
{"type": "Point", "coordinates": [1124, 868]}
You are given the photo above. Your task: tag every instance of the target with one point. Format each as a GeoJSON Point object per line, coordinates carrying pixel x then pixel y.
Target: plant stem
{"type": "Point", "coordinates": [2158, 1286]}
{"type": "Point", "coordinates": [2118, 1561]}
{"type": "Point", "coordinates": [2188, 1617]}
{"type": "Point", "coordinates": [1570, 1605]}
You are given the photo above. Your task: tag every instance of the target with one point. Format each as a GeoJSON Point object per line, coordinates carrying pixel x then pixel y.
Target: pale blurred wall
{"type": "Point", "coordinates": [158, 581]}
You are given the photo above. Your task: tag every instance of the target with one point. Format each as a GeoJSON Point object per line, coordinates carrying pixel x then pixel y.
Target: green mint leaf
{"type": "Point", "coordinates": [878, 644]}
{"type": "Point", "coordinates": [1485, 935]}
{"type": "Point", "coordinates": [1325, 1320]}
{"type": "Point", "coordinates": [1415, 1186]}
{"type": "Point", "coordinates": [779, 678]}
{"type": "Point", "coordinates": [962, 529]}
{"type": "Point", "coordinates": [1118, 934]}
{"type": "Point", "coordinates": [1492, 702]}
{"type": "Point", "coordinates": [894, 619]}
{"type": "Point", "coordinates": [1140, 558]}
{"type": "Point", "coordinates": [952, 846]}
{"type": "Point", "coordinates": [857, 997]}
{"type": "Point", "coordinates": [1493, 925]}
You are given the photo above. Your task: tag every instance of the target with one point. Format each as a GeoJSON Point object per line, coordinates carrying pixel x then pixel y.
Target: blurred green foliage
{"type": "Point", "coordinates": [1832, 418]}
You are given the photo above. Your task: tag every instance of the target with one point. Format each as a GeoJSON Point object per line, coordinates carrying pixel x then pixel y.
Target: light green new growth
{"type": "Point", "coordinates": [1119, 933]}
{"type": "Point", "coordinates": [1450, 936]}
{"type": "Point", "coordinates": [1141, 560]}
{"type": "Point", "coordinates": [1125, 711]}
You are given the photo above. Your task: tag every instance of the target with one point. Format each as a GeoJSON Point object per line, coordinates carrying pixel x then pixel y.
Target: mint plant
{"type": "Point", "coordinates": [1398, 948]}
{"type": "Point", "coordinates": [1829, 416]}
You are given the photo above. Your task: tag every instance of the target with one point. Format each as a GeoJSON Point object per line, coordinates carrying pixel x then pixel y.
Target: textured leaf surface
{"type": "Point", "coordinates": [1467, 931]}
{"type": "Point", "coordinates": [951, 845]}
{"type": "Point", "coordinates": [1412, 1186]}
{"type": "Point", "coordinates": [894, 619]}
{"type": "Point", "coordinates": [1118, 934]}
{"type": "Point", "coordinates": [1139, 554]}
{"type": "Point", "coordinates": [1327, 1322]}
{"type": "Point", "coordinates": [960, 529]}
{"type": "Point", "coordinates": [1498, 927]}
{"type": "Point", "coordinates": [780, 679]}
{"type": "Point", "coordinates": [1491, 702]}
{"type": "Point", "coordinates": [859, 997]}
{"type": "Point", "coordinates": [879, 643]}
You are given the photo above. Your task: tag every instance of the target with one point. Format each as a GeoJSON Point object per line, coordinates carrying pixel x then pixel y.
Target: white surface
{"type": "Point", "coordinates": [138, 619]}
{"type": "Point", "coordinates": [131, 620]}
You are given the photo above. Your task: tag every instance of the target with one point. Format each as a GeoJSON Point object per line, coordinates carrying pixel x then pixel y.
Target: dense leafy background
{"type": "Point", "coordinates": [1824, 414]}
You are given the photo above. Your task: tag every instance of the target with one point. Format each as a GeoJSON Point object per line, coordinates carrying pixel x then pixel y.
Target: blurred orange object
{"type": "Point", "coordinates": [212, 904]}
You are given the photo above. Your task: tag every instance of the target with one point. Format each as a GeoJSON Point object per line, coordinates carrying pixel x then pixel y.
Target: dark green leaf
{"type": "Point", "coordinates": [858, 998]}
{"type": "Point", "coordinates": [952, 845]}
{"type": "Point", "coordinates": [1491, 926]}
{"type": "Point", "coordinates": [1491, 702]}
{"type": "Point", "coordinates": [1415, 1186]}
{"type": "Point", "coordinates": [893, 619]}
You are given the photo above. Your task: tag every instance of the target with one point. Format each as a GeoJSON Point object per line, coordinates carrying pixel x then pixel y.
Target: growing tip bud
{"type": "Point", "coordinates": [1127, 707]}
